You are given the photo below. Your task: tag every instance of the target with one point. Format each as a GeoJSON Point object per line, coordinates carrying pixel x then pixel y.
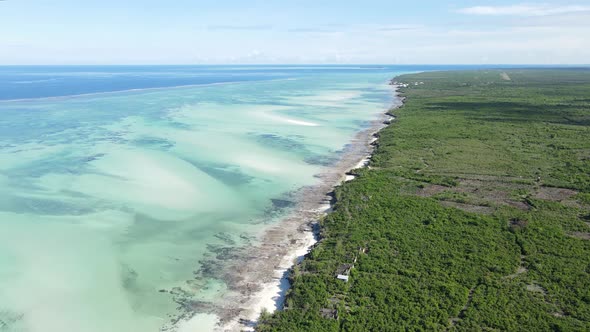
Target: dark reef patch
{"type": "Point", "coordinates": [154, 142]}
{"type": "Point", "coordinates": [282, 203]}
{"type": "Point", "coordinates": [223, 173]}
{"type": "Point", "coordinates": [281, 142]}
{"type": "Point", "coordinates": [322, 160]}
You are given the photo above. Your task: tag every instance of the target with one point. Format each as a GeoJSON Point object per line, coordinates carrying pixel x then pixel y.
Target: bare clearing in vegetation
{"type": "Point", "coordinates": [554, 194]}
{"type": "Point", "coordinates": [431, 190]}
{"type": "Point", "coordinates": [469, 207]}
{"type": "Point", "coordinates": [536, 289]}
{"type": "Point", "coordinates": [580, 235]}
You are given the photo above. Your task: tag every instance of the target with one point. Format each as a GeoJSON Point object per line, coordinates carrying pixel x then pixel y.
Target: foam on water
{"type": "Point", "coordinates": [109, 202]}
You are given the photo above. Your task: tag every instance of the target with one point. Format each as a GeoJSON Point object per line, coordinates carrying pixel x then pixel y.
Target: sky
{"type": "Point", "coordinates": [294, 32]}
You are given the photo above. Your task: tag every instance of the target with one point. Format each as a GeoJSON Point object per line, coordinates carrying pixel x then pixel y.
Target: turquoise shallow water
{"type": "Point", "coordinates": [106, 199]}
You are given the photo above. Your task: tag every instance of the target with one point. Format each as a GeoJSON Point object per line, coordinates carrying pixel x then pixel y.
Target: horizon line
{"type": "Point", "coordinates": [301, 64]}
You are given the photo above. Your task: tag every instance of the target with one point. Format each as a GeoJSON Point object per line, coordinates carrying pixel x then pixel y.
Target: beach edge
{"type": "Point", "coordinates": [300, 230]}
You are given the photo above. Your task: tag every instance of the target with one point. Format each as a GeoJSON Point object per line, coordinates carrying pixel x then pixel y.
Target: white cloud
{"type": "Point", "coordinates": [523, 10]}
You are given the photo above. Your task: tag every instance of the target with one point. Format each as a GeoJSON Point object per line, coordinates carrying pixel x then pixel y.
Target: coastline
{"type": "Point", "coordinates": [259, 277]}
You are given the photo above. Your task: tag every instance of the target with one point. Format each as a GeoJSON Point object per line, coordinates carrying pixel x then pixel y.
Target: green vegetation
{"type": "Point", "coordinates": [474, 215]}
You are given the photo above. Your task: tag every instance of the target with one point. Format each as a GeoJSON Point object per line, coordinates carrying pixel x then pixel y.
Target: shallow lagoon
{"type": "Point", "coordinates": [106, 199]}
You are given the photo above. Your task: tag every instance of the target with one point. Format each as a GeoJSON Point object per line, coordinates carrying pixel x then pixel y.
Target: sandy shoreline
{"type": "Point", "coordinates": [258, 278]}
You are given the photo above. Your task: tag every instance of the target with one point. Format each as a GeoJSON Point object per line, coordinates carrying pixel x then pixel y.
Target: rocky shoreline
{"type": "Point", "coordinates": [265, 264]}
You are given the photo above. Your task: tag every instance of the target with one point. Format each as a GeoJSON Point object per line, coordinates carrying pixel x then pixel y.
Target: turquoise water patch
{"type": "Point", "coordinates": [112, 206]}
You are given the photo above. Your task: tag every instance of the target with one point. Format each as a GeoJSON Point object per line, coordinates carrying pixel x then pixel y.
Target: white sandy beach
{"type": "Point", "coordinates": [272, 295]}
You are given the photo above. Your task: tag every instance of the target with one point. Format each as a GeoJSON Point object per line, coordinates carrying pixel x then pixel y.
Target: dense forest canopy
{"type": "Point", "coordinates": [474, 214]}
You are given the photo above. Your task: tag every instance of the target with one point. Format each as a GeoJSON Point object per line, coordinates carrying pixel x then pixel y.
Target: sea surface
{"type": "Point", "coordinates": [117, 181]}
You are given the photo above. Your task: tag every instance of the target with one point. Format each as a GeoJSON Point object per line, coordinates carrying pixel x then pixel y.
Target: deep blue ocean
{"type": "Point", "coordinates": [23, 82]}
